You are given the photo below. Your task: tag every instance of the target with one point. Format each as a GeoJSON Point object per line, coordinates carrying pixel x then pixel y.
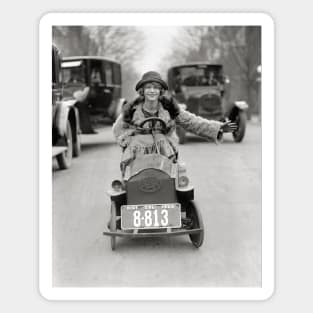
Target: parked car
{"type": "Point", "coordinates": [154, 199]}
{"type": "Point", "coordinates": [201, 89]}
{"type": "Point", "coordinates": [95, 82]}
{"type": "Point", "coordinates": [65, 118]}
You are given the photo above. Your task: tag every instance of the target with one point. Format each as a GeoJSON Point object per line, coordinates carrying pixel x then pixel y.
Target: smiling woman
{"type": "Point", "coordinates": [154, 114]}
{"type": "Point", "coordinates": [151, 92]}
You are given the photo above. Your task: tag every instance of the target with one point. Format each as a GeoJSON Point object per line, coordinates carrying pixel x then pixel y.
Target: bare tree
{"type": "Point", "coordinates": [121, 43]}
{"type": "Point", "coordinates": [186, 42]}
{"type": "Point", "coordinates": [237, 48]}
{"type": "Point", "coordinates": [73, 40]}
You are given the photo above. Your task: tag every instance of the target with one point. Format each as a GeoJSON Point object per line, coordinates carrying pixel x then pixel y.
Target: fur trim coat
{"type": "Point", "coordinates": [124, 128]}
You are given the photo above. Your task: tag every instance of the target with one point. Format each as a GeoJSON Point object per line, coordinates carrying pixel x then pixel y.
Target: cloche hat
{"type": "Point", "coordinates": [150, 77]}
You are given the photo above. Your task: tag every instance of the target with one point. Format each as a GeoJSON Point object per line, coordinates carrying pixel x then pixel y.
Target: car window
{"type": "Point", "coordinates": [95, 76]}
{"type": "Point", "coordinates": [196, 76]}
{"type": "Point", "coordinates": [108, 73]}
{"type": "Point", "coordinates": [117, 74]}
{"type": "Point", "coordinates": [73, 75]}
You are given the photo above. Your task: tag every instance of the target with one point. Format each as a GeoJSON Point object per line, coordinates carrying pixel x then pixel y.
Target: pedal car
{"type": "Point", "coordinates": [154, 199]}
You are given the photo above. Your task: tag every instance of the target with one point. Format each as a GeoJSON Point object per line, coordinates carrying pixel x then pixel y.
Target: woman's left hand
{"type": "Point", "coordinates": [229, 127]}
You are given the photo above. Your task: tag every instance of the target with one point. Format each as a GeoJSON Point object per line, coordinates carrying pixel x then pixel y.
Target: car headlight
{"type": "Point", "coordinates": [117, 185]}
{"type": "Point", "coordinates": [183, 181]}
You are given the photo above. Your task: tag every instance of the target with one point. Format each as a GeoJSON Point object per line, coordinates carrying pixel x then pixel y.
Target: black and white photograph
{"type": "Point", "coordinates": [156, 179]}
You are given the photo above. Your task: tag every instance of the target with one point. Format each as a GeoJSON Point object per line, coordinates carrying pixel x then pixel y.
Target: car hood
{"type": "Point", "coordinates": [69, 102]}
{"type": "Point", "coordinates": [151, 161]}
{"type": "Point", "coordinates": [78, 92]}
{"type": "Point", "coordinates": [199, 91]}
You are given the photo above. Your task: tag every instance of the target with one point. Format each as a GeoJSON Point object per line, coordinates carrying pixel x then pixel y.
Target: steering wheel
{"type": "Point", "coordinates": [154, 119]}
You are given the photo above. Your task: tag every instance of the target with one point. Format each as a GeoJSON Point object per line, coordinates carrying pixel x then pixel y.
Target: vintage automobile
{"type": "Point", "coordinates": [65, 118]}
{"type": "Point", "coordinates": [201, 88]}
{"type": "Point", "coordinates": [95, 82]}
{"type": "Point", "coordinates": [154, 199]}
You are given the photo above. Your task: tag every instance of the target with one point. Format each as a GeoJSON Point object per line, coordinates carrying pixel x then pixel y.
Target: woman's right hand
{"type": "Point", "coordinates": [229, 127]}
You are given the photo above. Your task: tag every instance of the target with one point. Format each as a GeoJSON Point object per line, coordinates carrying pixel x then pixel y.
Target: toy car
{"type": "Point", "coordinates": [154, 199]}
{"type": "Point", "coordinates": [201, 89]}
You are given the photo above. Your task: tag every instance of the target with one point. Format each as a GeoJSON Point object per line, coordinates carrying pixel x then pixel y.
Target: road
{"type": "Point", "coordinates": [227, 181]}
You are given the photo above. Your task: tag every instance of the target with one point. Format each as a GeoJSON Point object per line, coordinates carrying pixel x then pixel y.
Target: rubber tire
{"type": "Point", "coordinates": [195, 215]}
{"type": "Point", "coordinates": [113, 225]}
{"type": "Point", "coordinates": [241, 120]}
{"type": "Point", "coordinates": [77, 146]}
{"type": "Point", "coordinates": [65, 159]}
{"type": "Point", "coordinates": [181, 134]}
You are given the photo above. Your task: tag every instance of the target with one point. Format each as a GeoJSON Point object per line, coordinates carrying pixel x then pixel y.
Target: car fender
{"type": "Point", "coordinates": [238, 106]}
{"type": "Point", "coordinates": [242, 105]}
{"type": "Point", "coordinates": [81, 94]}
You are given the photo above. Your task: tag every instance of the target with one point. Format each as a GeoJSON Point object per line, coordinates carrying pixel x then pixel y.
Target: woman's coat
{"type": "Point", "coordinates": [133, 143]}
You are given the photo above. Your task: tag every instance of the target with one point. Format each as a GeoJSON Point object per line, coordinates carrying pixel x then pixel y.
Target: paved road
{"type": "Point", "coordinates": [227, 180]}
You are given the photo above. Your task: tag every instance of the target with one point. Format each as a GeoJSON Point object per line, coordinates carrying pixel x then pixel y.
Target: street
{"type": "Point", "coordinates": [227, 182]}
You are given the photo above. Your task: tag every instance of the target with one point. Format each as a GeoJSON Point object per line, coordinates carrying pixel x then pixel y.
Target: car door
{"type": "Point", "coordinates": [100, 87]}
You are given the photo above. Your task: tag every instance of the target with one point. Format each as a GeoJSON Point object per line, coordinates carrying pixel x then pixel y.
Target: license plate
{"type": "Point", "coordinates": [151, 216]}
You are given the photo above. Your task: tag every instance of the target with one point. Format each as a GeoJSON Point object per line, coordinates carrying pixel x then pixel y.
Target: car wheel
{"type": "Point", "coordinates": [77, 146]}
{"type": "Point", "coordinates": [181, 133]}
{"type": "Point", "coordinates": [241, 120]}
{"type": "Point", "coordinates": [113, 225]}
{"type": "Point", "coordinates": [197, 222]}
{"type": "Point", "coordinates": [65, 158]}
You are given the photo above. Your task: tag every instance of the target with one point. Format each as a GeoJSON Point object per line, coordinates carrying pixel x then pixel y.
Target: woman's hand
{"type": "Point", "coordinates": [229, 127]}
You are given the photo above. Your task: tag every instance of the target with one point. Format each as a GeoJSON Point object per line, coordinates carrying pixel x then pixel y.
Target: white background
{"type": "Point", "coordinates": [19, 156]}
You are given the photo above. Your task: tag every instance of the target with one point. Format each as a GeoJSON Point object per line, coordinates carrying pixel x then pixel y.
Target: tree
{"type": "Point", "coordinates": [121, 43]}
{"type": "Point", "coordinates": [185, 44]}
{"type": "Point", "coordinates": [237, 48]}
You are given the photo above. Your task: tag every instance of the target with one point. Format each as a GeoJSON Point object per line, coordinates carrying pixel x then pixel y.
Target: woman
{"type": "Point", "coordinates": [135, 139]}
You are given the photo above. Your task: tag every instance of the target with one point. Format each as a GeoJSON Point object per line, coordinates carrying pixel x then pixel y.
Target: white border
{"type": "Point", "coordinates": [45, 152]}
